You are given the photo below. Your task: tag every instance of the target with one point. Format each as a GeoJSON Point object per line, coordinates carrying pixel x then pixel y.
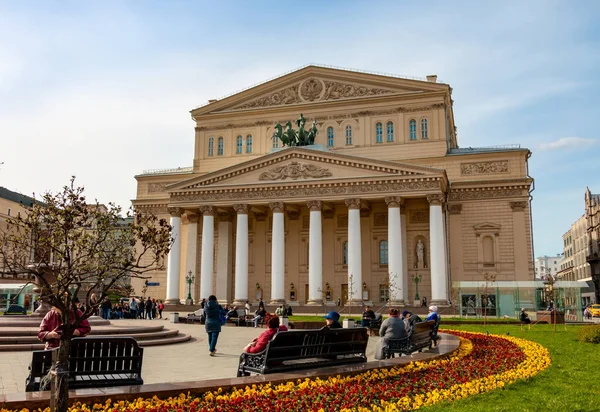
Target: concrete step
{"type": "Point", "coordinates": [34, 321]}
{"type": "Point", "coordinates": [153, 335]}
{"type": "Point", "coordinates": [166, 341]}
{"type": "Point", "coordinates": [99, 330]}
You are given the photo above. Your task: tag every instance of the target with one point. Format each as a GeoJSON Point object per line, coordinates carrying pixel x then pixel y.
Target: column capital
{"type": "Point", "coordinates": [314, 205]}
{"type": "Point", "coordinates": [241, 208]}
{"type": "Point", "coordinates": [276, 207]}
{"type": "Point", "coordinates": [455, 208]}
{"type": "Point", "coordinates": [175, 211]}
{"type": "Point", "coordinates": [518, 206]}
{"type": "Point", "coordinates": [394, 201]}
{"type": "Point", "coordinates": [207, 210]}
{"type": "Point", "coordinates": [435, 199]}
{"type": "Point", "coordinates": [191, 217]}
{"type": "Point", "coordinates": [353, 203]}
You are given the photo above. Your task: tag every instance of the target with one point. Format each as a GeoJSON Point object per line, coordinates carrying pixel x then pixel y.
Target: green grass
{"type": "Point", "coordinates": [572, 383]}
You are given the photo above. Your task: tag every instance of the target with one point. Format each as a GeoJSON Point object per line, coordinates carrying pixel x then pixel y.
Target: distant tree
{"type": "Point", "coordinates": [70, 246]}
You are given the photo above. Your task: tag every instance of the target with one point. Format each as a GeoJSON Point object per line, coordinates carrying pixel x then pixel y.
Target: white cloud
{"type": "Point", "coordinates": [569, 143]}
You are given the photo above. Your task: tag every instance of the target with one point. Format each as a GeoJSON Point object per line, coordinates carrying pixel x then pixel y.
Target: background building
{"type": "Point", "coordinates": [385, 195]}
{"type": "Point", "coordinates": [592, 215]}
{"type": "Point", "coordinates": [547, 265]}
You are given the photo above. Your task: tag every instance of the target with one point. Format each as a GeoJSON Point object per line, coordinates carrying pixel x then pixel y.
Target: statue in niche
{"type": "Point", "coordinates": [420, 250]}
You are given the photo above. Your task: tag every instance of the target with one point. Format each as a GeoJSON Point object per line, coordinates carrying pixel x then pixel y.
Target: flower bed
{"type": "Point", "coordinates": [482, 363]}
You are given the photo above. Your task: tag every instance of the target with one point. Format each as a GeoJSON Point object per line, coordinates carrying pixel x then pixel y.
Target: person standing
{"type": "Point", "coordinates": [106, 307]}
{"type": "Point", "coordinates": [149, 308]}
{"type": "Point", "coordinates": [142, 308]}
{"type": "Point", "coordinates": [161, 306]}
{"type": "Point", "coordinates": [133, 308]}
{"type": "Point", "coordinates": [212, 313]}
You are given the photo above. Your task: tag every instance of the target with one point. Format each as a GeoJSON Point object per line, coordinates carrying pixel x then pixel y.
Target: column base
{"type": "Point", "coordinates": [176, 301]}
{"type": "Point", "coordinates": [355, 303]}
{"type": "Point", "coordinates": [189, 302]}
{"type": "Point", "coordinates": [398, 303]}
{"type": "Point", "coordinates": [316, 302]}
{"type": "Point", "coordinates": [277, 302]}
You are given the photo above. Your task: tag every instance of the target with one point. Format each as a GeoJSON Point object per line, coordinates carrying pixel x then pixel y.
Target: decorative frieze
{"type": "Point", "coordinates": [156, 187]}
{"type": "Point", "coordinates": [487, 193]}
{"type": "Point", "coordinates": [152, 209]}
{"type": "Point", "coordinates": [319, 191]}
{"type": "Point", "coordinates": [295, 171]}
{"type": "Point", "coordinates": [482, 168]}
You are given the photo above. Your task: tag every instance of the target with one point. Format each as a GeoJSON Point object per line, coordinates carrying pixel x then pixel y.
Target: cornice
{"type": "Point", "coordinates": [339, 190]}
{"type": "Point", "coordinates": [340, 116]}
{"type": "Point", "coordinates": [323, 158]}
{"type": "Point", "coordinates": [493, 182]}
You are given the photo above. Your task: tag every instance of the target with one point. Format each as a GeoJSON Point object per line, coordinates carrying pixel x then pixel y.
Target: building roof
{"type": "Point", "coordinates": [16, 197]}
{"type": "Point", "coordinates": [485, 149]}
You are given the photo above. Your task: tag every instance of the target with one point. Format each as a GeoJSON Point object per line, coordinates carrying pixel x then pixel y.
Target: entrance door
{"type": "Point", "coordinates": [306, 293]}
{"type": "Point", "coordinates": [344, 293]}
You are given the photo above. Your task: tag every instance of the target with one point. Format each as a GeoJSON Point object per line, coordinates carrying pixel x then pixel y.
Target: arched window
{"type": "Point", "coordinates": [348, 134]}
{"type": "Point", "coordinates": [378, 133]}
{"type": "Point", "coordinates": [275, 142]}
{"type": "Point", "coordinates": [220, 147]}
{"type": "Point", "coordinates": [211, 146]}
{"type": "Point", "coordinates": [390, 132]}
{"type": "Point", "coordinates": [412, 126]}
{"type": "Point", "coordinates": [488, 250]}
{"type": "Point", "coordinates": [424, 131]}
{"type": "Point", "coordinates": [345, 253]}
{"type": "Point", "coordinates": [330, 136]}
{"type": "Point", "coordinates": [240, 143]}
{"type": "Point", "coordinates": [383, 252]}
{"type": "Point", "coordinates": [249, 143]}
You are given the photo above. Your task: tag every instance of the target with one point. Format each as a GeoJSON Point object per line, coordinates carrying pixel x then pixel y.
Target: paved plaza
{"type": "Point", "coordinates": [181, 362]}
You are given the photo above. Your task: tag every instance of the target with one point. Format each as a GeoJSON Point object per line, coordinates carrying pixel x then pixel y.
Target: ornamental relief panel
{"type": "Point", "coordinates": [312, 90]}
{"type": "Point", "coordinates": [304, 192]}
{"type": "Point", "coordinates": [156, 187]}
{"type": "Point", "coordinates": [419, 216]}
{"type": "Point", "coordinates": [487, 194]}
{"type": "Point", "coordinates": [482, 168]}
{"type": "Point", "coordinates": [295, 171]}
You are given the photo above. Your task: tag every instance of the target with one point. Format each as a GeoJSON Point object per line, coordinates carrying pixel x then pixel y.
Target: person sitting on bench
{"type": "Point", "coordinates": [391, 328]}
{"type": "Point", "coordinates": [367, 316]}
{"type": "Point", "coordinates": [260, 343]}
{"type": "Point", "coordinates": [259, 316]}
{"type": "Point", "coordinates": [332, 320]}
{"type": "Point", "coordinates": [232, 313]}
{"type": "Point", "coordinates": [51, 328]}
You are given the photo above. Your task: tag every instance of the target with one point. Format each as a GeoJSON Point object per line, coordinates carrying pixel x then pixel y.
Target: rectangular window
{"type": "Point", "coordinates": [384, 293]}
{"type": "Point", "coordinates": [249, 144]}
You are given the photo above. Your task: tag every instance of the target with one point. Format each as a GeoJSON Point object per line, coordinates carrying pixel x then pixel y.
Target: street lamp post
{"type": "Point", "coordinates": [417, 279]}
{"type": "Point", "coordinates": [189, 278]}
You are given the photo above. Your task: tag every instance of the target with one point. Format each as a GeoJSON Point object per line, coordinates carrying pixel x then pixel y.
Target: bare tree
{"type": "Point", "coordinates": [73, 247]}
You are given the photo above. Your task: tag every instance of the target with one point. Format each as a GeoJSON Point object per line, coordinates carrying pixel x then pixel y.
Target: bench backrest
{"type": "Point", "coordinates": [315, 343]}
{"type": "Point", "coordinates": [90, 356]}
{"type": "Point", "coordinates": [422, 333]}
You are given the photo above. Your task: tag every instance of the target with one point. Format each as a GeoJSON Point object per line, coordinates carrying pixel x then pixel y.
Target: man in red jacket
{"type": "Point", "coordinates": [51, 328]}
{"type": "Point", "coordinates": [259, 344]}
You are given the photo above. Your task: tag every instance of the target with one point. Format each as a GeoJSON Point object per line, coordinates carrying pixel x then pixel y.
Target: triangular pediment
{"type": "Point", "coordinates": [291, 165]}
{"type": "Point", "coordinates": [315, 84]}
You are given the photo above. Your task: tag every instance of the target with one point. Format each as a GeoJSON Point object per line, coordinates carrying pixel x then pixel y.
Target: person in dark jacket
{"type": "Point", "coordinates": [212, 312]}
{"type": "Point", "coordinates": [333, 320]}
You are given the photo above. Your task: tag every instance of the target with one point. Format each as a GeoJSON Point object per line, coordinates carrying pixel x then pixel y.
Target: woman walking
{"type": "Point", "coordinates": [212, 312]}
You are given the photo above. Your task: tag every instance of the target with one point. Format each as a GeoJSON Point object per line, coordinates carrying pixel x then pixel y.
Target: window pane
{"type": "Point", "coordinates": [330, 137]}
{"type": "Point", "coordinates": [390, 132]}
{"type": "Point", "coordinates": [249, 143]}
{"type": "Point", "coordinates": [220, 147]}
{"type": "Point", "coordinates": [413, 129]}
{"type": "Point", "coordinates": [275, 141]}
{"type": "Point", "coordinates": [383, 252]}
{"type": "Point", "coordinates": [378, 133]}
{"type": "Point", "coordinates": [240, 142]}
{"type": "Point", "coordinates": [348, 134]}
{"type": "Point", "coordinates": [424, 131]}
{"type": "Point", "coordinates": [211, 146]}
{"type": "Point", "coordinates": [345, 253]}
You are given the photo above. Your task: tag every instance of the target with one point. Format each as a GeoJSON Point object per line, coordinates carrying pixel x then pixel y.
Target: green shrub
{"type": "Point", "coordinates": [590, 334]}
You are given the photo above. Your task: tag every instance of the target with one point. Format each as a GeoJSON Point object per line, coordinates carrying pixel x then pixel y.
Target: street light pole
{"type": "Point", "coordinates": [189, 279]}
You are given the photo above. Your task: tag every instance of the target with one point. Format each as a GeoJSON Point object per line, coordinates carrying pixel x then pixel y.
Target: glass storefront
{"type": "Point", "coordinates": [16, 294]}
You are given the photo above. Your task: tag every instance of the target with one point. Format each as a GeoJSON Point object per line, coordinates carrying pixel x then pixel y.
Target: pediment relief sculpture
{"type": "Point", "coordinates": [295, 171]}
{"type": "Point", "coordinates": [313, 90]}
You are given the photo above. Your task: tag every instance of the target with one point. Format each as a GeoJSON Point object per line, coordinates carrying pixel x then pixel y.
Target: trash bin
{"type": "Point", "coordinates": [174, 317]}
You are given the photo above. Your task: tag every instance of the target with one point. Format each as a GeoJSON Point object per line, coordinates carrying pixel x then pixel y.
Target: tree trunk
{"type": "Point", "coordinates": [60, 382]}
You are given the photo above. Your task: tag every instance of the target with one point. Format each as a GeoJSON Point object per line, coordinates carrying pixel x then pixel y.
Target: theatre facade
{"type": "Point", "coordinates": [385, 205]}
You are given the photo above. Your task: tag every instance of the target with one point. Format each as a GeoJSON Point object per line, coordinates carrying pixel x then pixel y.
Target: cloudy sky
{"type": "Point", "coordinates": [102, 90]}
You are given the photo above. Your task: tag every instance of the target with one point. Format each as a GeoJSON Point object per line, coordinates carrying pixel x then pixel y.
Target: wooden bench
{"type": "Point", "coordinates": [93, 362]}
{"type": "Point", "coordinates": [423, 335]}
{"type": "Point", "coordinates": [301, 349]}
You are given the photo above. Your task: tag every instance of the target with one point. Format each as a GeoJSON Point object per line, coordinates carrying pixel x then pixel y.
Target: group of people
{"type": "Point", "coordinates": [149, 308]}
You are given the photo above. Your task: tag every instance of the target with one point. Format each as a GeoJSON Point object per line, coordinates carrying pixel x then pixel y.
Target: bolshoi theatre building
{"type": "Point", "coordinates": [384, 205]}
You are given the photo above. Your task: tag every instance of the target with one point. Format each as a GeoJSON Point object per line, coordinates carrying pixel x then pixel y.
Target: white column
{"type": "Point", "coordinates": [404, 256]}
{"type": "Point", "coordinates": [173, 265]}
{"type": "Point", "coordinates": [354, 251]}
{"type": "Point", "coordinates": [395, 251]}
{"type": "Point", "coordinates": [315, 254]}
{"type": "Point", "coordinates": [190, 258]}
{"type": "Point", "coordinates": [241, 255]}
{"type": "Point", "coordinates": [439, 290]}
{"type": "Point", "coordinates": [277, 254]}
{"type": "Point", "coordinates": [224, 258]}
{"type": "Point", "coordinates": [208, 251]}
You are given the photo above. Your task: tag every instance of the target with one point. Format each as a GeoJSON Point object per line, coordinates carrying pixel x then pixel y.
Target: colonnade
{"type": "Point", "coordinates": [398, 280]}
